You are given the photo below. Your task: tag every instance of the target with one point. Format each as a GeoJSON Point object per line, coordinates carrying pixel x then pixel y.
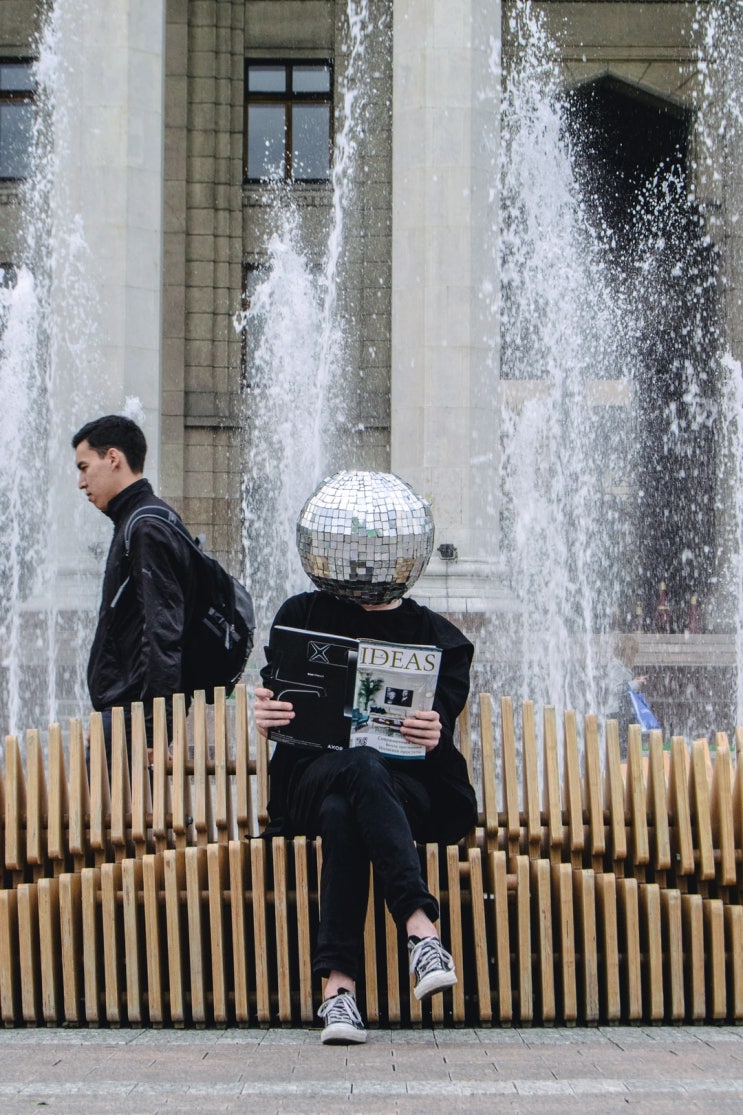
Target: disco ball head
{"type": "Point", "coordinates": [365, 536]}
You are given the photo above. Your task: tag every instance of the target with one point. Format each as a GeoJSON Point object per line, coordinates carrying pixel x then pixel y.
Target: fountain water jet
{"type": "Point", "coordinates": [48, 339]}
{"type": "Point", "coordinates": [297, 328]}
{"type": "Point", "coordinates": [612, 315]}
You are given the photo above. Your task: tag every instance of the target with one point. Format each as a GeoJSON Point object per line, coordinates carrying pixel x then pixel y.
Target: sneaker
{"type": "Point", "coordinates": [343, 1023]}
{"type": "Point", "coordinates": [431, 965]}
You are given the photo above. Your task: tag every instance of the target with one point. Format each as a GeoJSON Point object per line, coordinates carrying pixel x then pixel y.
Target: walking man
{"type": "Point", "coordinates": [147, 595]}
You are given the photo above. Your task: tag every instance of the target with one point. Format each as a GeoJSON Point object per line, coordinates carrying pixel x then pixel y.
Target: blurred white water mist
{"type": "Point", "coordinates": [47, 348]}
{"type": "Point", "coordinates": [719, 156]}
{"type": "Point", "coordinates": [562, 338]}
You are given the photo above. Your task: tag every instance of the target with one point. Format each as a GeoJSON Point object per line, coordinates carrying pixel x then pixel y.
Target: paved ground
{"type": "Point", "coordinates": [654, 1069]}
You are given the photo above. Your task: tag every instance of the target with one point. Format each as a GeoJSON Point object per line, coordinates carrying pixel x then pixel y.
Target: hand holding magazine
{"type": "Point", "coordinates": [349, 692]}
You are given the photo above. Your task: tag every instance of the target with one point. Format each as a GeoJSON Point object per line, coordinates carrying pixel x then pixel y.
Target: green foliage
{"type": "Point", "coordinates": [368, 687]}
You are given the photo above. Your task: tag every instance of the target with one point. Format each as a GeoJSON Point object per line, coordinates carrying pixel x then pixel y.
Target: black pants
{"type": "Point", "coordinates": [365, 811]}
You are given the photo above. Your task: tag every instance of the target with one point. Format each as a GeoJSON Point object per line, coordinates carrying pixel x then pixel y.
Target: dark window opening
{"type": "Point", "coordinates": [288, 121]}
{"type": "Point", "coordinates": [17, 94]}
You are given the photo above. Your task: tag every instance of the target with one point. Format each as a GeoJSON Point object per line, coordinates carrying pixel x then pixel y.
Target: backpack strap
{"type": "Point", "coordinates": [154, 511]}
{"type": "Point", "coordinates": [151, 511]}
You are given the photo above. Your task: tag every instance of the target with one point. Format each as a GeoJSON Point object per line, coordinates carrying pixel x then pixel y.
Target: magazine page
{"type": "Point", "coordinates": [316, 672]}
{"type": "Point", "coordinates": [392, 681]}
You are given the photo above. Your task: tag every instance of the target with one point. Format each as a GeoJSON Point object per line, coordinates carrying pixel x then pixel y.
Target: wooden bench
{"type": "Point", "coordinates": [591, 891]}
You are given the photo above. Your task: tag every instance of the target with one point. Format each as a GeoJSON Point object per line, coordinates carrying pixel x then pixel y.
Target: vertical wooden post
{"type": "Point", "coordinates": [79, 799]}
{"type": "Point", "coordinates": [243, 792]}
{"type": "Point", "coordinates": [510, 781]}
{"type": "Point", "coordinates": [195, 870]}
{"type": "Point", "coordinates": [572, 789]}
{"type": "Point", "coordinates": [36, 804]}
{"type": "Point", "coordinates": [132, 898]}
{"type": "Point", "coordinates": [551, 793]}
{"type": "Point", "coordinates": [71, 947]}
{"type": "Point", "coordinates": [160, 780]}
{"type": "Point", "coordinates": [490, 803]}
{"type": "Point", "coordinates": [153, 886]}
{"type": "Point", "coordinates": [302, 886]}
{"type": "Point", "coordinates": [121, 795]}
{"type": "Point", "coordinates": [614, 800]}
{"type": "Point", "coordinates": [217, 865]}
{"type": "Point", "coordinates": [593, 794]}
{"type": "Point", "coordinates": [531, 779]}
{"type": "Point", "coordinates": [203, 810]}
{"type": "Point", "coordinates": [183, 831]}
{"type": "Point", "coordinates": [57, 840]}
{"type": "Point", "coordinates": [479, 935]}
{"type": "Point", "coordinates": [15, 808]}
{"type": "Point", "coordinates": [141, 784]}
{"type": "Point", "coordinates": [223, 813]}
{"type": "Point", "coordinates": [100, 792]}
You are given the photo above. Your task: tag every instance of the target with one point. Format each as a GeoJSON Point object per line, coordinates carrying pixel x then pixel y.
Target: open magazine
{"type": "Point", "coordinates": [392, 681]}
{"type": "Point", "coordinates": [349, 692]}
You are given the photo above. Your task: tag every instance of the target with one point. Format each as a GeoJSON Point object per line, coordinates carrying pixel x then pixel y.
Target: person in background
{"type": "Point", "coordinates": [146, 597]}
{"type": "Point", "coordinates": [620, 680]}
{"type": "Point", "coordinates": [364, 539]}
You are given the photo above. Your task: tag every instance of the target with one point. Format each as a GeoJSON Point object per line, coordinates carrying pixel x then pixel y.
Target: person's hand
{"type": "Point", "coordinates": [269, 713]}
{"type": "Point", "coordinates": [423, 727]}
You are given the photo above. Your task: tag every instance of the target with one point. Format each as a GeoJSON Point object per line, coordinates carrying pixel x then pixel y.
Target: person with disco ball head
{"type": "Point", "coordinates": [364, 538]}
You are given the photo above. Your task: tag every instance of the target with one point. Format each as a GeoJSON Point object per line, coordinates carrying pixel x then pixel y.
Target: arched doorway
{"type": "Point", "coordinates": [631, 152]}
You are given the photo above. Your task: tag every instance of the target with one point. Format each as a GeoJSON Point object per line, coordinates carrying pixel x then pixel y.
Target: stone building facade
{"type": "Point", "coordinates": [413, 257]}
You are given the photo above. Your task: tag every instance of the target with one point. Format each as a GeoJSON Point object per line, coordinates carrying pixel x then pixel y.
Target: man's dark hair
{"type": "Point", "coordinates": [114, 431]}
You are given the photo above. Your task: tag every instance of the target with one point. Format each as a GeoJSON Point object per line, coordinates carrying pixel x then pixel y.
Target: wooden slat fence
{"type": "Point", "coordinates": [593, 890]}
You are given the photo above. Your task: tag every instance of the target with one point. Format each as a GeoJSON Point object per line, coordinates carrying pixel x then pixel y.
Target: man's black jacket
{"type": "Point", "coordinates": [137, 649]}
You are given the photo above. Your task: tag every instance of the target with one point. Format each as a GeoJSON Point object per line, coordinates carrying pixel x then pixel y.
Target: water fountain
{"type": "Point", "coordinates": [613, 384]}
{"type": "Point", "coordinates": [583, 438]}
{"type": "Point", "coordinates": [49, 317]}
{"type": "Point", "coordinates": [80, 315]}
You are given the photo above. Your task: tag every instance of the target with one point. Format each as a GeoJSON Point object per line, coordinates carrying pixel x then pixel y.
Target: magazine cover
{"type": "Point", "coordinates": [316, 672]}
{"type": "Point", "coordinates": [391, 681]}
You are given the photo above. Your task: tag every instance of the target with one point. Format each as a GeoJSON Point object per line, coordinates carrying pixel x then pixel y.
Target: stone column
{"type": "Point", "coordinates": [445, 286]}
{"type": "Point", "coordinates": [105, 253]}
{"type": "Point", "coordinates": [121, 172]}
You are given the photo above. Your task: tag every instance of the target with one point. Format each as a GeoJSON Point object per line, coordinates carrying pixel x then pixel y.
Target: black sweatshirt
{"type": "Point", "coordinates": [444, 771]}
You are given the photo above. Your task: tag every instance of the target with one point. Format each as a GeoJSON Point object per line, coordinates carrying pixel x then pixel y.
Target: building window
{"type": "Point", "coordinates": [17, 90]}
{"type": "Point", "coordinates": [288, 121]}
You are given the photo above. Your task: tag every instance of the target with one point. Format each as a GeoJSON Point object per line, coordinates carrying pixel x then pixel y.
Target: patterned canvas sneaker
{"type": "Point", "coordinates": [431, 965]}
{"type": "Point", "coordinates": [343, 1023]}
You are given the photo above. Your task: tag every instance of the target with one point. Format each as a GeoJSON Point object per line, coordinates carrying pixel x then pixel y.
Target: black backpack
{"type": "Point", "coordinates": [219, 635]}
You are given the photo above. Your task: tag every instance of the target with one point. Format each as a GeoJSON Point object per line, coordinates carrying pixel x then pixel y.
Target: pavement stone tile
{"type": "Point", "coordinates": [543, 1087]}
{"type": "Point", "coordinates": [648, 1086]}
{"type": "Point", "coordinates": [598, 1087]}
{"type": "Point", "coordinates": [460, 1088]}
{"type": "Point", "coordinates": [379, 1087]}
{"type": "Point", "coordinates": [411, 1072]}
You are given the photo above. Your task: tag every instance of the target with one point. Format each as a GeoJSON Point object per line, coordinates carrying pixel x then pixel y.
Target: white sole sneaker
{"type": "Point", "coordinates": [343, 1033]}
{"type": "Point", "coordinates": [343, 1023]}
{"type": "Point", "coordinates": [433, 982]}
